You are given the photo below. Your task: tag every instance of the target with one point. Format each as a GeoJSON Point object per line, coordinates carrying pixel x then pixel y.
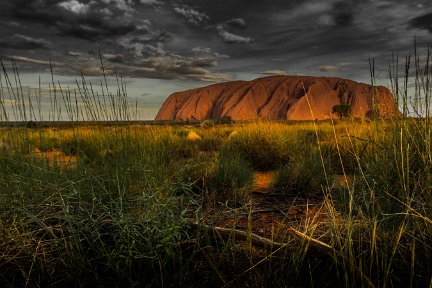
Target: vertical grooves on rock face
{"type": "Point", "coordinates": [184, 102]}
{"type": "Point", "coordinates": [214, 106]}
{"type": "Point", "coordinates": [213, 113]}
{"type": "Point", "coordinates": [240, 98]}
{"type": "Point", "coordinates": [302, 87]}
{"type": "Point", "coordinates": [197, 105]}
{"type": "Point", "coordinates": [301, 93]}
{"type": "Point", "coordinates": [274, 97]}
{"type": "Point", "coordinates": [271, 95]}
{"type": "Point", "coordinates": [177, 110]}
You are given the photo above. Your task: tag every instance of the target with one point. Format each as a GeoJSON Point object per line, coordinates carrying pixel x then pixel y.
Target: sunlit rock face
{"type": "Point", "coordinates": [278, 98]}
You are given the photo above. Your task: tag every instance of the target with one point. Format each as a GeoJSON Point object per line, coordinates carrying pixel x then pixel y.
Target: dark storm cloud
{"type": "Point", "coordinates": [88, 20]}
{"type": "Point", "coordinates": [422, 22]}
{"type": "Point", "coordinates": [169, 66]}
{"type": "Point", "coordinates": [150, 2]}
{"type": "Point", "coordinates": [236, 23]}
{"type": "Point", "coordinates": [128, 32]}
{"type": "Point", "coordinates": [95, 24]}
{"type": "Point", "coordinates": [22, 45]}
{"type": "Point", "coordinates": [322, 37]}
{"type": "Point", "coordinates": [31, 11]}
{"type": "Point", "coordinates": [23, 42]}
{"type": "Point", "coordinates": [93, 30]}
{"type": "Point", "coordinates": [172, 67]}
{"type": "Point", "coordinates": [343, 13]}
{"type": "Point", "coordinates": [227, 31]}
{"type": "Point", "coordinates": [206, 39]}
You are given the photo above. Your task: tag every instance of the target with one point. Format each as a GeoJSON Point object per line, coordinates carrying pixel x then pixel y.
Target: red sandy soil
{"type": "Point", "coordinates": [265, 213]}
{"type": "Point", "coordinates": [268, 214]}
{"type": "Point", "coordinates": [56, 157]}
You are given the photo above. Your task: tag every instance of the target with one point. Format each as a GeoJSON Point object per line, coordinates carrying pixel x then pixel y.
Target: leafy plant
{"type": "Point", "coordinates": [302, 176]}
{"type": "Point", "coordinates": [342, 110]}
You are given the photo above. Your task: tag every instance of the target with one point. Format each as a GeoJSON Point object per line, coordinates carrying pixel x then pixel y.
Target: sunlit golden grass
{"type": "Point", "coordinates": [131, 195]}
{"type": "Point", "coordinates": [349, 203]}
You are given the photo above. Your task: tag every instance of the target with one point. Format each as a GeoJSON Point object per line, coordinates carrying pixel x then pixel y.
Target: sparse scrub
{"type": "Point", "coordinates": [212, 139]}
{"type": "Point", "coordinates": [261, 145]}
{"type": "Point", "coordinates": [232, 173]}
{"type": "Point", "coordinates": [342, 110]}
{"type": "Point", "coordinates": [196, 173]}
{"type": "Point", "coordinates": [303, 176]}
{"type": "Point", "coordinates": [208, 124]}
{"type": "Point", "coordinates": [132, 209]}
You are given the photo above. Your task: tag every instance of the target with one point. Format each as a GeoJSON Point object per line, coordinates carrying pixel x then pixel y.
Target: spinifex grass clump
{"type": "Point", "coordinates": [303, 176]}
{"type": "Point", "coordinates": [248, 144]}
{"type": "Point", "coordinates": [213, 138]}
{"type": "Point", "coordinates": [261, 144]}
{"type": "Point", "coordinates": [232, 173]}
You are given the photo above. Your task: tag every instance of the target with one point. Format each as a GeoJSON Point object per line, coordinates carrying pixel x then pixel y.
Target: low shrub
{"type": "Point", "coordinates": [212, 139]}
{"type": "Point", "coordinates": [196, 173]}
{"type": "Point", "coordinates": [263, 150]}
{"type": "Point", "coordinates": [341, 157]}
{"type": "Point", "coordinates": [304, 176]}
{"type": "Point", "coordinates": [208, 124]}
{"type": "Point", "coordinates": [232, 173]}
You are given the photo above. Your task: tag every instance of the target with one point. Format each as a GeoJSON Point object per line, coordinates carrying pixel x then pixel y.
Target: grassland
{"type": "Point", "coordinates": [122, 204]}
{"type": "Point", "coordinates": [140, 205]}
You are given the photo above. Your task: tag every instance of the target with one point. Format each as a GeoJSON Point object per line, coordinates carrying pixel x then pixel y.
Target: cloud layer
{"type": "Point", "coordinates": [211, 40]}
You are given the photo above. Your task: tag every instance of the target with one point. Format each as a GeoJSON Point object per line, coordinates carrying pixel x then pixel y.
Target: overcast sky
{"type": "Point", "coordinates": [168, 45]}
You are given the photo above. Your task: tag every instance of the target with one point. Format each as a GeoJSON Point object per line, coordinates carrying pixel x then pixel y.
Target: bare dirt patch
{"type": "Point", "coordinates": [56, 157]}
{"type": "Point", "coordinates": [268, 214]}
{"type": "Point", "coordinates": [263, 181]}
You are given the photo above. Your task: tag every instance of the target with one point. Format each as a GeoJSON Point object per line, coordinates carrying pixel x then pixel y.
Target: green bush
{"type": "Point", "coordinates": [167, 148]}
{"type": "Point", "coordinates": [374, 113]}
{"type": "Point", "coordinates": [232, 173]}
{"type": "Point", "coordinates": [312, 137]}
{"type": "Point", "coordinates": [225, 120]}
{"type": "Point", "coordinates": [208, 124]}
{"type": "Point", "coordinates": [345, 159]}
{"type": "Point", "coordinates": [342, 110]}
{"type": "Point", "coordinates": [304, 176]}
{"type": "Point", "coordinates": [196, 173]}
{"type": "Point", "coordinates": [263, 150]}
{"type": "Point", "coordinates": [211, 139]}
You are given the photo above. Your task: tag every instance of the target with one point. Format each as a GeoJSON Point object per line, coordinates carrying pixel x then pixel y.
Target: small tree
{"type": "Point", "coordinates": [374, 113]}
{"type": "Point", "coordinates": [207, 124]}
{"type": "Point", "coordinates": [225, 120]}
{"type": "Point", "coordinates": [342, 110]}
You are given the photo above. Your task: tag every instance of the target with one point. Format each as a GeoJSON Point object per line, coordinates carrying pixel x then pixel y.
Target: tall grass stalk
{"type": "Point", "coordinates": [56, 103]}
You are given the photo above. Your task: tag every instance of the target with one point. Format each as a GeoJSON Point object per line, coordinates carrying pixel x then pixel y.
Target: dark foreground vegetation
{"type": "Point", "coordinates": [128, 205]}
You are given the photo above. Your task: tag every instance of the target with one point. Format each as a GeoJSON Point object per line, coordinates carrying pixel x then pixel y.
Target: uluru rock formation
{"type": "Point", "coordinates": [278, 97]}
